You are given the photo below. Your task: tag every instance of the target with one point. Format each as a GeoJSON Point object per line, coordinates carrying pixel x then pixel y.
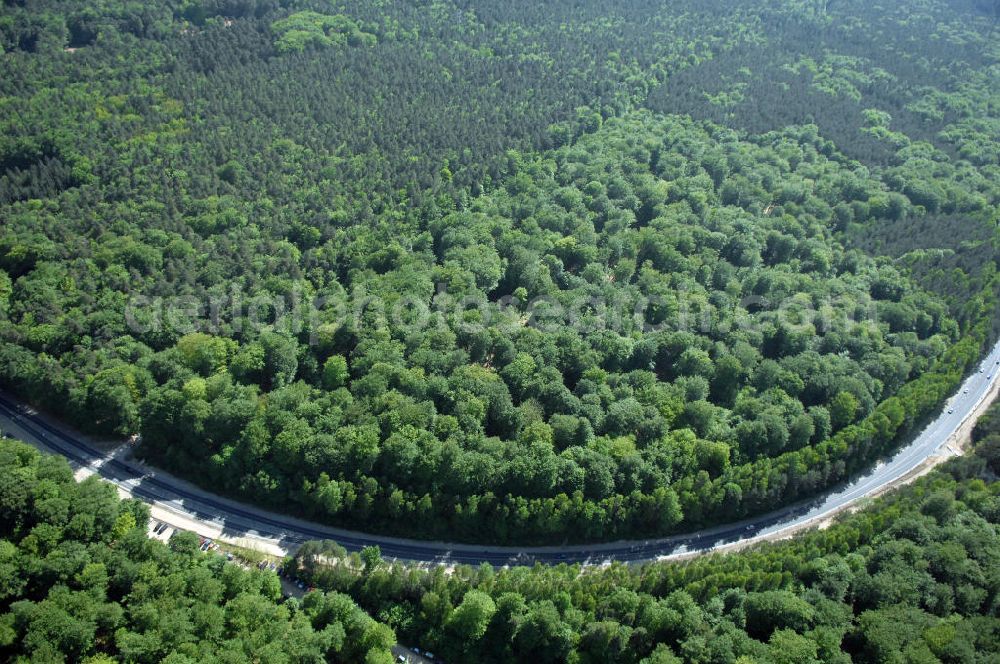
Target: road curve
{"type": "Point", "coordinates": [185, 506]}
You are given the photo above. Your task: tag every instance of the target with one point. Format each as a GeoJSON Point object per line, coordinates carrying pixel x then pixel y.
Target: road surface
{"type": "Point", "coordinates": [184, 506]}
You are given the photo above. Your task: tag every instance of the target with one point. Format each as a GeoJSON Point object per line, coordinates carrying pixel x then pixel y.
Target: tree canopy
{"type": "Point", "coordinates": [508, 272]}
{"type": "Point", "coordinates": [912, 577]}
{"type": "Point", "coordinates": [82, 582]}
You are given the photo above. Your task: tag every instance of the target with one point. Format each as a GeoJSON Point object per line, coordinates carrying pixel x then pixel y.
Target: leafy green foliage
{"type": "Point", "coordinates": [310, 29]}
{"type": "Point", "coordinates": [557, 305]}
{"type": "Point", "coordinates": [912, 577]}
{"type": "Point", "coordinates": [81, 582]}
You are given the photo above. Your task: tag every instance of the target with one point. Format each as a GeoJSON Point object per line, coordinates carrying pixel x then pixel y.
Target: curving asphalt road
{"type": "Point", "coordinates": [243, 523]}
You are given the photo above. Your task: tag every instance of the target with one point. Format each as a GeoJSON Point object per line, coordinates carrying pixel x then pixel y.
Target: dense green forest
{"type": "Point", "coordinates": [499, 271]}
{"type": "Point", "coordinates": [80, 581]}
{"type": "Point", "coordinates": [914, 577]}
